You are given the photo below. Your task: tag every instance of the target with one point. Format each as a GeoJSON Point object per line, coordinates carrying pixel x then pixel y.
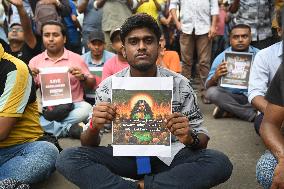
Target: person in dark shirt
{"type": "Point", "coordinates": [270, 167]}
{"type": "Point", "coordinates": [23, 42]}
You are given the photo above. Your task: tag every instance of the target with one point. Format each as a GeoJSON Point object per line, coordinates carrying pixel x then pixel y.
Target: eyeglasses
{"type": "Point", "coordinates": [15, 29]}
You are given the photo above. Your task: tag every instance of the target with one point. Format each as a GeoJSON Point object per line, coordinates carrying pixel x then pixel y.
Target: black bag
{"type": "Point", "coordinates": [58, 112]}
{"type": "Point", "coordinates": [50, 138]}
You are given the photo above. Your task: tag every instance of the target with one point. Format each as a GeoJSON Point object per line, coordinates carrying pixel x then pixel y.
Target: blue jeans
{"type": "Point", "coordinates": [28, 163]}
{"type": "Point", "coordinates": [79, 114]}
{"type": "Point", "coordinates": [96, 167]}
{"type": "Point", "coordinates": [265, 169]}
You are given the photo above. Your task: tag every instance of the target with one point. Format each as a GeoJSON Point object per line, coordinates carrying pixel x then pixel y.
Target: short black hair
{"type": "Point", "coordinates": [244, 26]}
{"type": "Point", "coordinates": [139, 21]}
{"type": "Point", "coordinates": [53, 22]}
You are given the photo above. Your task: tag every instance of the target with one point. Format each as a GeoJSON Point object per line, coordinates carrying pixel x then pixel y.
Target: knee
{"type": "Point", "coordinates": [222, 165]}
{"type": "Point", "coordinates": [81, 111]}
{"type": "Point", "coordinates": [265, 169]}
{"type": "Point", "coordinates": [42, 163]}
{"type": "Point", "coordinates": [66, 161]}
{"type": "Point", "coordinates": [212, 93]}
{"type": "Point", "coordinates": [62, 161]}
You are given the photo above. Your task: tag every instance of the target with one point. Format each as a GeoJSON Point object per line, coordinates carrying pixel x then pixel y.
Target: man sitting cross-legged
{"type": "Point", "coordinates": [230, 101]}
{"type": "Point", "coordinates": [23, 159]}
{"type": "Point", "coordinates": [192, 166]}
{"type": "Point", "coordinates": [55, 55]}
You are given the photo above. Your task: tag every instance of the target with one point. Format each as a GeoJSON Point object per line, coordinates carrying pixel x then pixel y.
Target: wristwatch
{"type": "Point", "coordinates": [195, 137]}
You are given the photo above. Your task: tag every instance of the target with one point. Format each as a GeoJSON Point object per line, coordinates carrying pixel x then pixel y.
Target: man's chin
{"type": "Point", "coordinates": [15, 40]}
{"type": "Point", "coordinates": [240, 49]}
{"type": "Point", "coordinates": [143, 67]}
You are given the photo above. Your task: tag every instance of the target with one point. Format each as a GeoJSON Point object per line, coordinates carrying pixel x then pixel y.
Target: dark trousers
{"type": "Point", "coordinates": [257, 122]}
{"type": "Point", "coordinates": [236, 104]}
{"type": "Point", "coordinates": [96, 167]}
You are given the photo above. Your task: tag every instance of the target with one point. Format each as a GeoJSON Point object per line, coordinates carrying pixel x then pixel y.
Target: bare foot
{"type": "Point", "coordinates": [141, 184]}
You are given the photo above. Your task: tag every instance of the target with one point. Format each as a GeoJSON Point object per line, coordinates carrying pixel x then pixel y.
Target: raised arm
{"type": "Point", "coordinates": [30, 38]}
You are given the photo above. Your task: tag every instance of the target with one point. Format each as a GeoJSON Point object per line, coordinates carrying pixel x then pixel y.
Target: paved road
{"type": "Point", "coordinates": [235, 138]}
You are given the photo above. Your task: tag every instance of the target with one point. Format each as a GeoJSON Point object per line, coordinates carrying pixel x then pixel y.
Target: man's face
{"type": "Point", "coordinates": [16, 33]}
{"type": "Point", "coordinates": [162, 42]}
{"type": "Point", "coordinates": [240, 39]}
{"type": "Point", "coordinates": [52, 37]}
{"type": "Point", "coordinates": [117, 44]}
{"type": "Point", "coordinates": [141, 49]}
{"type": "Point", "coordinates": [96, 47]}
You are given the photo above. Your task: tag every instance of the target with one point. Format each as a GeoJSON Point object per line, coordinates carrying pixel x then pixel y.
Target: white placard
{"type": "Point", "coordinates": [55, 86]}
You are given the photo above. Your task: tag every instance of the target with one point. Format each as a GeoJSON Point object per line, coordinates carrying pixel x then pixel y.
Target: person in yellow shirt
{"type": "Point", "coordinates": [151, 7]}
{"type": "Point", "coordinates": [22, 157]}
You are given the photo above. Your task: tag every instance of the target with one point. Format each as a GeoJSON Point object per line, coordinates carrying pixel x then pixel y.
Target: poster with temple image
{"type": "Point", "coordinates": [239, 65]}
{"type": "Point", "coordinates": [142, 105]}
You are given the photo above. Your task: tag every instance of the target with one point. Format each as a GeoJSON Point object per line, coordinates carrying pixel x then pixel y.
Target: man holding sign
{"type": "Point", "coordinates": [231, 101]}
{"type": "Point", "coordinates": [93, 166]}
{"type": "Point", "coordinates": [55, 55]}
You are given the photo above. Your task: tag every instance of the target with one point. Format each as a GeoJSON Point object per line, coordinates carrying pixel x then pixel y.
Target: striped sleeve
{"type": "Point", "coordinates": [17, 89]}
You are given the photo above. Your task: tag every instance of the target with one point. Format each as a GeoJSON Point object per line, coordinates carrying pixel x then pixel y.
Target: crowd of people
{"type": "Point", "coordinates": [100, 39]}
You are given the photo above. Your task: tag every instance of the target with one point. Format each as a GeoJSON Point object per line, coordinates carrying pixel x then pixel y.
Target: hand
{"type": "Point", "coordinates": [35, 71]}
{"type": "Point", "coordinates": [17, 3]}
{"type": "Point", "coordinates": [178, 124]}
{"type": "Point", "coordinates": [221, 70]}
{"type": "Point", "coordinates": [77, 72]}
{"type": "Point", "coordinates": [212, 32]}
{"type": "Point", "coordinates": [278, 178]}
{"type": "Point", "coordinates": [103, 113]}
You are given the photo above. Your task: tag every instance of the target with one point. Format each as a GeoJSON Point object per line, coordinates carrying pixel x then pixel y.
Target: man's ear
{"type": "Point", "coordinates": [123, 52]}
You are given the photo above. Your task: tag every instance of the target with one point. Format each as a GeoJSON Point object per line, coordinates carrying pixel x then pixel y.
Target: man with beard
{"type": "Point", "coordinates": [94, 166]}
{"type": "Point", "coordinates": [230, 101]}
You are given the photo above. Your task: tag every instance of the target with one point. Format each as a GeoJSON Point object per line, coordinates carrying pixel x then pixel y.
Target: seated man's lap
{"type": "Point", "coordinates": [80, 112]}
{"type": "Point", "coordinates": [29, 162]}
{"type": "Point", "coordinates": [71, 160]}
